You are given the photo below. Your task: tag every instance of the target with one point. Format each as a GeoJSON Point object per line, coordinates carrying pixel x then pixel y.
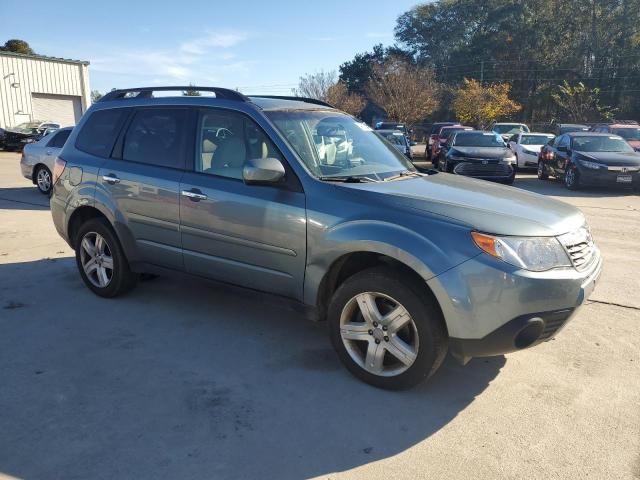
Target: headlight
{"type": "Point", "coordinates": [530, 253]}
{"type": "Point", "coordinates": [593, 165]}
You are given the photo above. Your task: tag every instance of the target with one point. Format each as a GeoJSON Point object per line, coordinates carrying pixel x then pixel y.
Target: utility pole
{"type": "Point", "coordinates": [482, 72]}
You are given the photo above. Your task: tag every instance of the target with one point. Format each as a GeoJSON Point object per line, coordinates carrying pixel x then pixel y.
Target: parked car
{"type": "Point", "coordinates": [402, 264]}
{"type": "Point", "coordinates": [433, 137]}
{"type": "Point", "coordinates": [562, 128]}
{"type": "Point", "coordinates": [38, 159]}
{"type": "Point", "coordinates": [629, 130]}
{"type": "Point", "coordinates": [393, 126]}
{"type": "Point", "coordinates": [17, 137]}
{"type": "Point", "coordinates": [588, 158]}
{"type": "Point", "coordinates": [506, 130]}
{"type": "Point", "coordinates": [526, 147]}
{"type": "Point", "coordinates": [398, 140]}
{"type": "Point", "coordinates": [479, 154]}
{"type": "Point", "coordinates": [443, 136]}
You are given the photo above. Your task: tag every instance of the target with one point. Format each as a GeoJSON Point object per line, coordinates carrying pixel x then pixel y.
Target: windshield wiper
{"type": "Point", "coordinates": [348, 179]}
{"type": "Point", "coordinates": [406, 173]}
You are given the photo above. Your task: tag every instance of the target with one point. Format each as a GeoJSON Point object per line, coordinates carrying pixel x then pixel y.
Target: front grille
{"type": "Point", "coordinates": [580, 247]}
{"type": "Point", "coordinates": [478, 169]}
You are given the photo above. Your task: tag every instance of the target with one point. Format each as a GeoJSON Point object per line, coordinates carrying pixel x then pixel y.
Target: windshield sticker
{"type": "Point", "coordinates": [364, 126]}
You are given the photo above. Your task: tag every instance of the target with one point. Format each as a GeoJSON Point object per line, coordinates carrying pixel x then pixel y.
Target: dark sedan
{"type": "Point", "coordinates": [17, 137]}
{"type": "Point", "coordinates": [588, 158]}
{"type": "Point", "coordinates": [478, 154]}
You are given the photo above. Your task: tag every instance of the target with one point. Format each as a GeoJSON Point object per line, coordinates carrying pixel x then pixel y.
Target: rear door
{"type": "Point", "coordinates": [249, 235]}
{"type": "Point", "coordinates": [142, 179]}
{"type": "Point", "coordinates": [53, 147]}
{"type": "Point", "coordinates": [561, 154]}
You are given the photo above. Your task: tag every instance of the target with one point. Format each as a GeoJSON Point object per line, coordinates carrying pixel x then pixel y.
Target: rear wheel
{"type": "Point", "coordinates": [542, 173]}
{"type": "Point", "coordinates": [101, 260]}
{"type": "Point", "coordinates": [42, 177]}
{"type": "Point", "coordinates": [386, 332]}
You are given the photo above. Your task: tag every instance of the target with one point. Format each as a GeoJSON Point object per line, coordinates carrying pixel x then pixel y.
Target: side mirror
{"type": "Point", "coordinates": [262, 171]}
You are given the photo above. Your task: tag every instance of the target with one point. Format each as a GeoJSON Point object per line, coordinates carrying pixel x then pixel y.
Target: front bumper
{"type": "Point", "coordinates": [483, 169]}
{"type": "Point", "coordinates": [493, 309]}
{"type": "Point", "coordinates": [607, 178]}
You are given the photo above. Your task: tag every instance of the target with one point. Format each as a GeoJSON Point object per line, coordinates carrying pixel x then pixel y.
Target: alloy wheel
{"type": "Point", "coordinates": [379, 334]}
{"type": "Point", "coordinates": [43, 179]}
{"type": "Point", "coordinates": [96, 259]}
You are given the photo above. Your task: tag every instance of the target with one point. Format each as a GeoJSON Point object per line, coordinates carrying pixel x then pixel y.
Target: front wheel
{"type": "Point", "coordinates": [572, 178]}
{"type": "Point", "coordinates": [43, 180]}
{"type": "Point", "coordinates": [101, 261]}
{"type": "Point", "coordinates": [386, 331]}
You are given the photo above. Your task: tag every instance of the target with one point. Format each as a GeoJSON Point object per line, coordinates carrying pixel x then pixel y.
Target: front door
{"type": "Point", "coordinates": [248, 235]}
{"type": "Point", "coordinates": [144, 182]}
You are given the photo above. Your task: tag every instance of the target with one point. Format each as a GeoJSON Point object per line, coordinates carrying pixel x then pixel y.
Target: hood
{"type": "Point", "coordinates": [618, 159]}
{"type": "Point", "coordinates": [19, 134]}
{"type": "Point", "coordinates": [481, 205]}
{"type": "Point", "coordinates": [533, 148]}
{"type": "Point", "coordinates": [482, 152]}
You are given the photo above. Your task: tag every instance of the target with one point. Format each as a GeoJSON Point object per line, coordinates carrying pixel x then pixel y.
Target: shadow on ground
{"type": "Point", "coordinates": [23, 198]}
{"type": "Point", "coordinates": [185, 379]}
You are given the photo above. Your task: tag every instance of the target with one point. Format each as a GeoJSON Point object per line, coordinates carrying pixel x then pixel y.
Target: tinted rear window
{"type": "Point", "coordinates": [59, 139]}
{"type": "Point", "coordinates": [100, 131]}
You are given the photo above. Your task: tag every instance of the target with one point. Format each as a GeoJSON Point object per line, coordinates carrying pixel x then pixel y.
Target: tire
{"type": "Point", "coordinates": [542, 172]}
{"type": "Point", "coordinates": [43, 179]}
{"type": "Point", "coordinates": [121, 279]}
{"type": "Point", "coordinates": [571, 178]}
{"type": "Point", "coordinates": [421, 341]}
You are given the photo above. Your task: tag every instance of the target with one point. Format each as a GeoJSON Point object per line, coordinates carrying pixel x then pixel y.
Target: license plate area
{"type": "Point", "coordinates": [624, 179]}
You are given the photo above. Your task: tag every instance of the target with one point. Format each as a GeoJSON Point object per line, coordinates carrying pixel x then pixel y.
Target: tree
{"type": "Point", "coordinates": [478, 105]}
{"type": "Point", "coordinates": [315, 85]}
{"type": "Point", "coordinates": [338, 95]}
{"type": "Point", "coordinates": [17, 46]}
{"type": "Point", "coordinates": [95, 96]}
{"type": "Point", "coordinates": [406, 92]}
{"type": "Point", "coordinates": [191, 92]}
{"type": "Point", "coordinates": [581, 103]}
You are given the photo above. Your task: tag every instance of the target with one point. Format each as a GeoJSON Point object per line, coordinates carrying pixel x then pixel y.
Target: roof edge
{"type": "Point", "coordinates": [43, 57]}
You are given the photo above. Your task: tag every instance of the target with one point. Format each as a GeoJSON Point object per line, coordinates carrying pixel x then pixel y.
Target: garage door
{"type": "Point", "coordinates": [63, 109]}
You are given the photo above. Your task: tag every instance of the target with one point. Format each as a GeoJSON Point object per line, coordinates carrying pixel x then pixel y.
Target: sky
{"type": "Point", "coordinates": [255, 46]}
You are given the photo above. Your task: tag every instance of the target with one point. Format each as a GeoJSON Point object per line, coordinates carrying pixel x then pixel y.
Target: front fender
{"type": "Point", "coordinates": [425, 256]}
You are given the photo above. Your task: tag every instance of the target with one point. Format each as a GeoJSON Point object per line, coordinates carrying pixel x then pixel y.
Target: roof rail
{"type": "Point", "coordinates": [147, 92]}
{"type": "Point", "coordinates": [315, 101]}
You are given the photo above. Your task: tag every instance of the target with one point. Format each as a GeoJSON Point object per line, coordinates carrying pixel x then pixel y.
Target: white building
{"type": "Point", "coordinates": [35, 87]}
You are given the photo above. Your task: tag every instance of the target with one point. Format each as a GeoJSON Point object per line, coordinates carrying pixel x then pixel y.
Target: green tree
{"type": "Point", "coordinates": [581, 103]}
{"type": "Point", "coordinates": [191, 92]}
{"type": "Point", "coordinates": [95, 96]}
{"type": "Point", "coordinates": [17, 46]}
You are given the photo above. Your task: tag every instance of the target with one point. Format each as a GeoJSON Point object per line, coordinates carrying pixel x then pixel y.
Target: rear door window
{"type": "Point", "coordinates": [59, 139]}
{"type": "Point", "coordinates": [156, 136]}
{"type": "Point", "coordinates": [99, 133]}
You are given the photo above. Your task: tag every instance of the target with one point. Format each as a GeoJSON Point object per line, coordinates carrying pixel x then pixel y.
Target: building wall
{"type": "Point", "coordinates": [20, 76]}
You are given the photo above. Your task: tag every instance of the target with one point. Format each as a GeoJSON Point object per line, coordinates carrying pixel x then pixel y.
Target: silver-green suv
{"type": "Point", "coordinates": [292, 197]}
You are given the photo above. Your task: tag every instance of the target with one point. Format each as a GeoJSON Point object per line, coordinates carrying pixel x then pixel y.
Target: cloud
{"type": "Point", "coordinates": [202, 45]}
{"type": "Point", "coordinates": [180, 63]}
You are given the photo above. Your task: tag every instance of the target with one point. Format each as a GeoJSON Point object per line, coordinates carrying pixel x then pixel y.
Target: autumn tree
{"type": "Point", "coordinates": [191, 92]}
{"type": "Point", "coordinates": [406, 92]}
{"type": "Point", "coordinates": [95, 96]}
{"type": "Point", "coordinates": [478, 105]}
{"type": "Point", "coordinates": [338, 95]}
{"type": "Point", "coordinates": [315, 85]}
{"type": "Point", "coordinates": [580, 102]}
{"type": "Point", "coordinates": [17, 46]}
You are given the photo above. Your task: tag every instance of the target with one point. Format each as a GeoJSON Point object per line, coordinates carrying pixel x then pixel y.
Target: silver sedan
{"type": "Point", "coordinates": [39, 157]}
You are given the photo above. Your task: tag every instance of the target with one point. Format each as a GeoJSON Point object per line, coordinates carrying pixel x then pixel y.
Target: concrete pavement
{"type": "Point", "coordinates": [189, 380]}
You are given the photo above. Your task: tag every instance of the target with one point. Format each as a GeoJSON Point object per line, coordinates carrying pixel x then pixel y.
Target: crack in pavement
{"type": "Point", "coordinates": [613, 304]}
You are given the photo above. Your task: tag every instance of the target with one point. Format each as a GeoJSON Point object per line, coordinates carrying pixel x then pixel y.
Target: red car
{"type": "Point", "coordinates": [627, 129]}
{"type": "Point", "coordinates": [433, 137]}
{"type": "Point", "coordinates": [442, 137]}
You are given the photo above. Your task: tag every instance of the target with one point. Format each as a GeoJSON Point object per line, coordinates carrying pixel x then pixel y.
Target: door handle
{"type": "Point", "coordinates": [111, 178]}
{"type": "Point", "coordinates": [194, 195]}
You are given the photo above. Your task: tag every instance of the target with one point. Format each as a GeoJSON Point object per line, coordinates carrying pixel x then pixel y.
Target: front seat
{"type": "Point", "coordinates": [229, 158]}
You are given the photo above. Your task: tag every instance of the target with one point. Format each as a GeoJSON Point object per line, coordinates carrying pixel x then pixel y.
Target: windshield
{"type": "Point", "coordinates": [397, 138]}
{"type": "Point", "coordinates": [535, 139]}
{"type": "Point", "coordinates": [333, 144]}
{"type": "Point", "coordinates": [628, 133]}
{"type": "Point", "coordinates": [445, 132]}
{"type": "Point", "coordinates": [478, 139]}
{"type": "Point", "coordinates": [573, 128]}
{"type": "Point", "coordinates": [27, 127]}
{"type": "Point", "coordinates": [601, 144]}
{"type": "Point", "coordinates": [510, 128]}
